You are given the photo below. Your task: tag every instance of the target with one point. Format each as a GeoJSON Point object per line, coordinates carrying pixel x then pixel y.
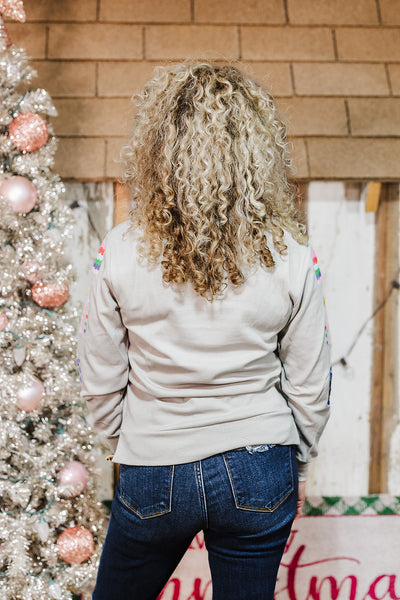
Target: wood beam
{"type": "Point", "coordinates": [373, 194]}
{"type": "Point", "coordinates": [383, 413]}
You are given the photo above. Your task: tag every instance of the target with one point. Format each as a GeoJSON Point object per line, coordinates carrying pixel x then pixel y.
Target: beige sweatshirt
{"type": "Point", "coordinates": [171, 378]}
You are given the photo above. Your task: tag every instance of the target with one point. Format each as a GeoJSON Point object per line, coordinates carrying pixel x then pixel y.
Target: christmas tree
{"type": "Point", "coordinates": [50, 520]}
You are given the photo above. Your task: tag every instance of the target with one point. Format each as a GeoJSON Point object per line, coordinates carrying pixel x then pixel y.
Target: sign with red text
{"type": "Point", "coordinates": [350, 551]}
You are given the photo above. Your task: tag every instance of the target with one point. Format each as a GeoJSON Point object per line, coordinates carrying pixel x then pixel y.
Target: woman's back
{"type": "Point", "coordinates": [203, 377]}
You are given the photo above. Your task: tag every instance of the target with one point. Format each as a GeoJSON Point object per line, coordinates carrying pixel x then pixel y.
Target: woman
{"type": "Point", "coordinates": [203, 348]}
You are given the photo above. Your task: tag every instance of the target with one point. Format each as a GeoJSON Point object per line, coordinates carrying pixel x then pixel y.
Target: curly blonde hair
{"type": "Point", "coordinates": [207, 168]}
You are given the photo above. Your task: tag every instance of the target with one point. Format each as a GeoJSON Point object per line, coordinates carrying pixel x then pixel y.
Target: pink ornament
{"type": "Point", "coordinates": [28, 131]}
{"type": "Point", "coordinates": [30, 395]}
{"type": "Point", "coordinates": [19, 192]}
{"type": "Point", "coordinates": [3, 321]}
{"type": "Point", "coordinates": [50, 295]}
{"type": "Point", "coordinates": [32, 270]}
{"type": "Point", "coordinates": [73, 478]}
{"type": "Point", "coordinates": [75, 545]}
{"type": "Point", "coordinates": [13, 9]}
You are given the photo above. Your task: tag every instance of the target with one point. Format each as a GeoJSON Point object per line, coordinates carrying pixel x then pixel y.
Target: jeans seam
{"type": "Point", "coordinates": [291, 466]}
{"type": "Point", "coordinates": [200, 485]}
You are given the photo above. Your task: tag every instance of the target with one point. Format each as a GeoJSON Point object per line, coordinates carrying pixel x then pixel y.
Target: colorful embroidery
{"type": "Point", "coordinates": [99, 258]}
{"type": "Point", "coordinates": [316, 266]}
{"type": "Point", "coordinates": [317, 272]}
{"type": "Point", "coordinates": [85, 315]}
{"type": "Point", "coordinates": [327, 331]}
{"type": "Point", "coordinates": [79, 369]}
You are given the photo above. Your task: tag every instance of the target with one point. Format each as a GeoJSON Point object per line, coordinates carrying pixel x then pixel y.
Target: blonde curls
{"type": "Point", "coordinates": [207, 168]}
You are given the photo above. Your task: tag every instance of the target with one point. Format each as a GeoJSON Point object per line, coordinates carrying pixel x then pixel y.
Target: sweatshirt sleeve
{"type": "Point", "coordinates": [304, 347]}
{"type": "Point", "coordinates": [102, 351]}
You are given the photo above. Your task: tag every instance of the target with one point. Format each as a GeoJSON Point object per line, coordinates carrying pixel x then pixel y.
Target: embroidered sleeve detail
{"type": "Point", "coordinates": [317, 270]}
{"type": "Point", "coordinates": [327, 330]}
{"type": "Point", "coordinates": [99, 258]}
{"type": "Point", "coordinates": [78, 362]}
{"type": "Point", "coordinates": [95, 269]}
{"type": "Point", "coordinates": [85, 314]}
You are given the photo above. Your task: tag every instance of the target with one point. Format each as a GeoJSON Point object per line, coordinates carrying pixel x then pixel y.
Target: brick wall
{"type": "Point", "coordinates": [332, 65]}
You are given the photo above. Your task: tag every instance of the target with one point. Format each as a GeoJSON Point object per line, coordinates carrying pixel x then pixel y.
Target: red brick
{"type": "Point", "coordinates": [130, 11]}
{"type": "Point", "coordinates": [350, 158]}
{"type": "Point", "coordinates": [368, 43]}
{"type": "Point", "coordinates": [275, 77]}
{"type": "Point", "coordinates": [394, 74]}
{"type": "Point", "coordinates": [375, 116]}
{"type": "Point", "coordinates": [390, 12]}
{"type": "Point", "coordinates": [191, 41]}
{"type": "Point", "coordinates": [237, 11]}
{"type": "Point", "coordinates": [332, 12]}
{"type": "Point", "coordinates": [60, 10]}
{"type": "Point", "coordinates": [95, 41]}
{"type": "Point", "coordinates": [80, 158]}
{"type": "Point", "coordinates": [31, 36]}
{"type": "Point", "coordinates": [287, 43]}
{"type": "Point", "coordinates": [314, 116]}
{"type": "Point", "coordinates": [95, 117]}
{"type": "Point", "coordinates": [64, 78]}
{"type": "Point", "coordinates": [340, 79]}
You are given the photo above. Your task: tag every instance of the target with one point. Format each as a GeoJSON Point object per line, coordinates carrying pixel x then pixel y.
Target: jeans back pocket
{"type": "Point", "coordinates": [260, 481]}
{"type": "Point", "coordinates": [146, 490]}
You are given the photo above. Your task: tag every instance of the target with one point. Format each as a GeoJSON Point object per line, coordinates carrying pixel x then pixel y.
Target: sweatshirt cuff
{"type": "Point", "coordinates": [302, 469]}
{"type": "Point", "coordinates": [112, 443]}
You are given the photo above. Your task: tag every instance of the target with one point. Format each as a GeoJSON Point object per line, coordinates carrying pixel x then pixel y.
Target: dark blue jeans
{"type": "Point", "coordinates": [244, 501]}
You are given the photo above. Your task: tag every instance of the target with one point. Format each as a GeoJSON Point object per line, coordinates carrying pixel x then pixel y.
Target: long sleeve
{"type": "Point", "coordinates": [103, 351]}
{"type": "Point", "coordinates": [305, 351]}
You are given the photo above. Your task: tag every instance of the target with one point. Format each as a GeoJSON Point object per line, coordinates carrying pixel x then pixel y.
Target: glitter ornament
{"type": "Point", "coordinates": [32, 270]}
{"type": "Point", "coordinates": [50, 294]}
{"type": "Point", "coordinates": [73, 479]}
{"type": "Point", "coordinates": [19, 192]}
{"type": "Point", "coordinates": [75, 545]}
{"type": "Point", "coordinates": [30, 395]}
{"type": "Point", "coordinates": [5, 40]}
{"type": "Point", "coordinates": [28, 131]}
{"type": "Point", "coordinates": [3, 321]}
{"type": "Point", "coordinates": [13, 9]}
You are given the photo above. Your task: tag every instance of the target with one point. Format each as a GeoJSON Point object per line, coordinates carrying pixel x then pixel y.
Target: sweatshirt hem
{"type": "Point", "coordinates": [183, 446]}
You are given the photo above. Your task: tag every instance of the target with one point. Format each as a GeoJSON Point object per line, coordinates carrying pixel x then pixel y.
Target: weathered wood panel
{"type": "Point", "coordinates": [343, 236]}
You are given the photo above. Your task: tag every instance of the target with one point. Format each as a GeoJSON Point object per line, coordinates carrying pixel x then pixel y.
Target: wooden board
{"type": "Point", "coordinates": [383, 414]}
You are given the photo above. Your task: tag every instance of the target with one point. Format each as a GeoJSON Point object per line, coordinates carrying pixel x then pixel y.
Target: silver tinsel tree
{"type": "Point", "coordinates": [50, 520]}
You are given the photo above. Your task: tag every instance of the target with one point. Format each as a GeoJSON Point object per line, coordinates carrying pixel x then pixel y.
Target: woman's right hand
{"type": "Point", "coordinates": [301, 498]}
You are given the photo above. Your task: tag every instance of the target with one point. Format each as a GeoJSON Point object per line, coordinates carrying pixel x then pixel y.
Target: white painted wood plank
{"type": "Point", "coordinates": [343, 236]}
